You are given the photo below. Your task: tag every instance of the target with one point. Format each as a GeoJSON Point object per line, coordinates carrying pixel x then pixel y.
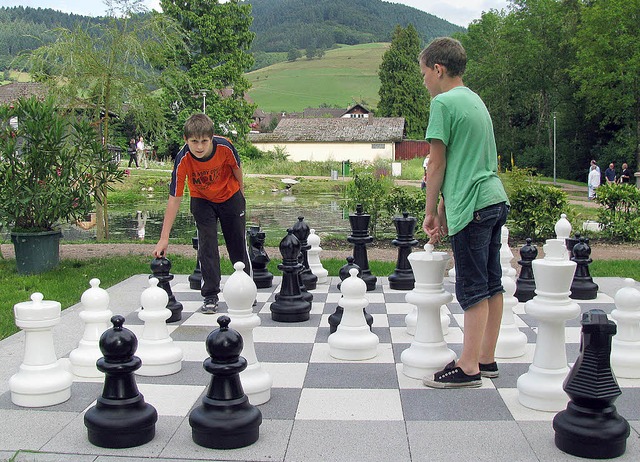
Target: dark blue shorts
{"type": "Point", "coordinates": [476, 253]}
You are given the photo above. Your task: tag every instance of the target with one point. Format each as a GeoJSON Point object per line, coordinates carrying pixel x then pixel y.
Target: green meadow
{"type": "Point", "coordinates": [341, 77]}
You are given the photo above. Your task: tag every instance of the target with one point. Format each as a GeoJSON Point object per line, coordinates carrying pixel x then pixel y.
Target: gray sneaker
{"type": "Point", "coordinates": [210, 306]}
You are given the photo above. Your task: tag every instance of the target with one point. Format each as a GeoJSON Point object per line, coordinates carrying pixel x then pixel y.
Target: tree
{"type": "Point", "coordinates": [402, 93]}
{"type": "Point", "coordinates": [109, 68]}
{"type": "Point", "coordinates": [293, 55]}
{"type": "Point", "coordinates": [608, 67]}
{"type": "Point", "coordinates": [219, 38]}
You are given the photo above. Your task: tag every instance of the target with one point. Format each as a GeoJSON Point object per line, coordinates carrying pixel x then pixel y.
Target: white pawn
{"type": "Point", "coordinates": [313, 255]}
{"type": "Point", "coordinates": [541, 388]}
{"type": "Point", "coordinates": [159, 355]}
{"type": "Point", "coordinates": [41, 380]}
{"type": "Point", "coordinates": [506, 255]}
{"type": "Point", "coordinates": [239, 293]}
{"type": "Point", "coordinates": [512, 342]}
{"type": "Point", "coordinates": [428, 352]}
{"type": "Point", "coordinates": [563, 227]}
{"type": "Point", "coordinates": [353, 340]}
{"type": "Point", "coordinates": [96, 315]}
{"type": "Point", "coordinates": [625, 345]}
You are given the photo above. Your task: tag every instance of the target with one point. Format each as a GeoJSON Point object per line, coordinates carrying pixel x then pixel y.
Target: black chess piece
{"type": "Point", "coordinates": [582, 286]}
{"type": "Point", "coordinates": [590, 426]}
{"type": "Point", "coordinates": [336, 317]}
{"type": "Point", "coordinates": [290, 305]}
{"type": "Point", "coordinates": [526, 284]}
{"type": "Point", "coordinates": [402, 278]}
{"type": "Point", "coordinates": [225, 419]}
{"type": "Point", "coordinates": [120, 418]}
{"type": "Point", "coordinates": [307, 278]}
{"type": "Point", "coordinates": [161, 269]}
{"type": "Point", "coordinates": [360, 237]}
{"type": "Point", "coordinates": [195, 278]}
{"type": "Point", "coordinates": [259, 258]}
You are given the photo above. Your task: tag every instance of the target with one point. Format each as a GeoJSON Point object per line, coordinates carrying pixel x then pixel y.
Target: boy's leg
{"type": "Point", "coordinates": [233, 225]}
{"type": "Point", "coordinates": [206, 217]}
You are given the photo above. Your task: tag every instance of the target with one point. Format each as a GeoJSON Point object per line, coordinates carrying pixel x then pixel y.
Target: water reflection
{"type": "Point", "coordinates": [274, 213]}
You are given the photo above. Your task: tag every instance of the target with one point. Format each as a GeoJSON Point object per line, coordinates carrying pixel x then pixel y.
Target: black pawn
{"type": "Point", "coordinates": [225, 419]}
{"type": "Point", "coordinates": [290, 305]}
{"type": "Point", "coordinates": [402, 277]}
{"type": "Point", "coordinates": [526, 284]}
{"type": "Point", "coordinates": [360, 237]}
{"type": "Point", "coordinates": [120, 418]}
{"type": "Point", "coordinates": [336, 317]}
{"type": "Point", "coordinates": [307, 278]}
{"type": "Point", "coordinates": [195, 278]}
{"type": "Point", "coordinates": [582, 286]}
{"type": "Point", "coordinates": [590, 426]}
{"type": "Point", "coordinates": [161, 267]}
{"type": "Point", "coordinates": [259, 258]}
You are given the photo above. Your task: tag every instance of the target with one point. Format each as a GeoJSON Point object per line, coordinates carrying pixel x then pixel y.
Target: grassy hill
{"type": "Point", "coordinates": [342, 76]}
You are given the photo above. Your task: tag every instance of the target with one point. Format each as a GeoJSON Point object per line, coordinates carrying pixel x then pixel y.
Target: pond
{"type": "Point", "coordinates": [274, 212]}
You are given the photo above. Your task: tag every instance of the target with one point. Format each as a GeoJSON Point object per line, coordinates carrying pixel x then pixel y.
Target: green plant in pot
{"type": "Point", "coordinates": [51, 165]}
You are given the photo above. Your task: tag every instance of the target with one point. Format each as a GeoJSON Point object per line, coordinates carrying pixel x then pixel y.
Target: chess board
{"type": "Point", "coordinates": [321, 408]}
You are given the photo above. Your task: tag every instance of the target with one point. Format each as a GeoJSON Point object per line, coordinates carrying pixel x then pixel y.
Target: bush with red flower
{"type": "Point", "coordinates": [51, 165]}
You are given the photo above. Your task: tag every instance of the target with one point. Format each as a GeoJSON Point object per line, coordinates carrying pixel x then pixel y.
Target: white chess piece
{"type": "Point", "coordinates": [41, 379]}
{"type": "Point", "coordinates": [506, 255]}
{"type": "Point", "coordinates": [452, 275]}
{"type": "Point", "coordinates": [563, 227]}
{"type": "Point", "coordinates": [313, 256]}
{"type": "Point", "coordinates": [541, 387]}
{"type": "Point", "coordinates": [428, 352]}
{"type": "Point", "coordinates": [96, 315]}
{"type": "Point", "coordinates": [511, 341]}
{"type": "Point", "coordinates": [239, 292]}
{"type": "Point", "coordinates": [159, 355]}
{"type": "Point", "coordinates": [353, 340]}
{"type": "Point", "coordinates": [625, 345]}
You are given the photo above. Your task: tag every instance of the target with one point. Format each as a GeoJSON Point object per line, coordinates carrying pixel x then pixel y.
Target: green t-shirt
{"type": "Point", "coordinates": [462, 122]}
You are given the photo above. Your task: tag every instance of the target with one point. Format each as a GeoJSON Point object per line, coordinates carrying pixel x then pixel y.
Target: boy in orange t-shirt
{"type": "Point", "coordinates": [210, 165]}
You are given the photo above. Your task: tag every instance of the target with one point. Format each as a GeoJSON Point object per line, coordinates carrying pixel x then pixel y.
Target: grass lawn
{"type": "Point", "coordinates": [342, 76]}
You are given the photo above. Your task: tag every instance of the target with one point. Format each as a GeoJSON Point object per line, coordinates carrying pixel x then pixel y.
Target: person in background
{"type": "Point", "coordinates": [425, 164]}
{"type": "Point", "coordinates": [133, 156]}
{"type": "Point", "coordinates": [610, 174]}
{"type": "Point", "coordinates": [594, 182]}
{"type": "Point", "coordinates": [626, 175]}
{"type": "Point", "coordinates": [140, 151]}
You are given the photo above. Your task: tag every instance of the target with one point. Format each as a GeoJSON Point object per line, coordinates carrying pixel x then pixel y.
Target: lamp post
{"type": "Point", "coordinates": [203, 92]}
{"type": "Point", "coordinates": [554, 148]}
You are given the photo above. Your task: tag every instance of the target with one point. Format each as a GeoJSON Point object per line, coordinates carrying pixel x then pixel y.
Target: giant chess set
{"type": "Point", "coordinates": [304, 366]}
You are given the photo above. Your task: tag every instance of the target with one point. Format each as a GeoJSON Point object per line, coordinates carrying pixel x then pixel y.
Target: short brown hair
{"type": "Point", "coordinates": [447, 52]}
{"type": "Point", "coordinates": [198, 125]}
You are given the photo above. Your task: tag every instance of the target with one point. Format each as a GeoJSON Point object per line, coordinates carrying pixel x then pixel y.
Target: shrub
{"type": "Point", "coordinates": [620, 214]}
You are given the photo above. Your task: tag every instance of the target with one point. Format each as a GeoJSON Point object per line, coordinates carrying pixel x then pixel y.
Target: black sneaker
{"type": "Point", "coordinates": [490, 370]}
{"type": "Point", "coordinates": [210, 306]}
{"type": "Point", "coordinates": [453, 377]}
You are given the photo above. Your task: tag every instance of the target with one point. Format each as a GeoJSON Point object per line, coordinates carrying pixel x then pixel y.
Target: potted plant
{"type": "Point", "coordinates": [51, 165]}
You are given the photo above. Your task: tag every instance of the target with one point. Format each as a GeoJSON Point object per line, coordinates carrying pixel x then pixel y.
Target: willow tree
{"type": "Point", "coordinates": [109, 67]}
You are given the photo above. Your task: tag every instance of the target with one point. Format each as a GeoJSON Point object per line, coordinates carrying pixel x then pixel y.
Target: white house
{"type": "Point", "coordinates": [353, 139]}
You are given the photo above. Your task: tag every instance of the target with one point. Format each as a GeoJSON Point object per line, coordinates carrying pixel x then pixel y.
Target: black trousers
{"type": "Point", "coordinates": [231, 215]}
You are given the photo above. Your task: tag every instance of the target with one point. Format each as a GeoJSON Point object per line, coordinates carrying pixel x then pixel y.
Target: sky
{"type": "Point", "coordinates": [460, 12]}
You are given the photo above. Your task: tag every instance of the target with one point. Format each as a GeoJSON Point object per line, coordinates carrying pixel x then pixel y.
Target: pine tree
{"type": "Point", "coordinates": [402, 93]}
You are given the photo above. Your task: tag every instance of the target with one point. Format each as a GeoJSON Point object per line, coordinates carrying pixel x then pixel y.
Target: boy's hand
{"type": "Point", "coordinates": [161, 248]}
{"type": "Point", "coordinates": [434, 229]}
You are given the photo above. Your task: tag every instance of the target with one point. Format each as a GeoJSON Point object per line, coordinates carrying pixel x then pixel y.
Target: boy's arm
{"type": "Point", "coordinates": [237, 173]}
{"type": "Point", "coordinates": [173, 205]}
{"type": "Point", "coordinates": [435, 223]}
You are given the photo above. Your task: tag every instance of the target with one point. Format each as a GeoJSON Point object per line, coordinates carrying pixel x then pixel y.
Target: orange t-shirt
{"type": "Point", "coordinates": [211, 178]}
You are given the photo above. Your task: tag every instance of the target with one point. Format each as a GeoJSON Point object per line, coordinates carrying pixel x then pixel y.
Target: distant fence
{"type": "Point", "coordinates": [410, 149]}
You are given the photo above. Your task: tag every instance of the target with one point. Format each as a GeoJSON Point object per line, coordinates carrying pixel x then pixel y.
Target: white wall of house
{"type": "Point", "coordinates": [353, 152]}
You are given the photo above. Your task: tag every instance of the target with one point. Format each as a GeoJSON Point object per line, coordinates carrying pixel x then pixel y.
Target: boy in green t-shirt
{"type": "Point", "coordinates": [463, 167]}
